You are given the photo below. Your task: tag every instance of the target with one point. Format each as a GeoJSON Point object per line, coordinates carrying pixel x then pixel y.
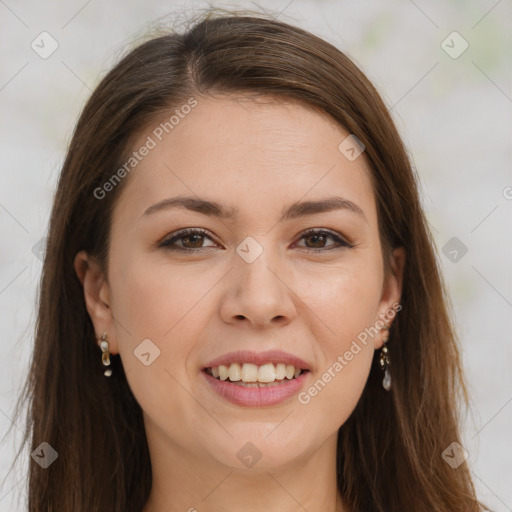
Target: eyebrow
{"type": "Point", "coordinates": [296, 210]}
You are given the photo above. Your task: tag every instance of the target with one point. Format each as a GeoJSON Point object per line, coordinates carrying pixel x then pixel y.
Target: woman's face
{"type": "Point", "coordinates": [252, 280]}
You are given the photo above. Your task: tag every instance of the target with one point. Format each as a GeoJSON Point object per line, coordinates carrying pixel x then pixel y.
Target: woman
{"type": "Point", "coordinates": [240, 305]}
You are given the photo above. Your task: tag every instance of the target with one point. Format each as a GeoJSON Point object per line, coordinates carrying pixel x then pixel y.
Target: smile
{"type": "Point", "coordinates": [253, 392]}
{"type": "Point", "coordinates": [252, 373]}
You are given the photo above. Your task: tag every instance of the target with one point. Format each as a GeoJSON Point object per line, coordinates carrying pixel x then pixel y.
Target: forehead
{"type": "Point", "coordinates": [256, 152]}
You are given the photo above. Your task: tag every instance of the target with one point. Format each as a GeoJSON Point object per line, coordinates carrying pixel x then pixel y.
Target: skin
{"type": "Point", "coordinates": [197, 306]}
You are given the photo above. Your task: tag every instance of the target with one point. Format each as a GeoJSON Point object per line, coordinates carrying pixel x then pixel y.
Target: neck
{"type": "Point", "coordinates": [184, 480]}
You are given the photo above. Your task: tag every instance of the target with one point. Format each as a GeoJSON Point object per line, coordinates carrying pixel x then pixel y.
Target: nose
{"type": "Point", "coordinates": [259, 293]}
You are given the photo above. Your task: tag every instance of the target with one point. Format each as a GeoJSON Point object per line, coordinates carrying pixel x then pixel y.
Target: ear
{"type": "Point", "coordinates": [391, 292]}
{"type": "Point", "coordinates": [97, 297]}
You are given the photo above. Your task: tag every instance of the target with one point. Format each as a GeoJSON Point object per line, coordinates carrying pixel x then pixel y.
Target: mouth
{"type": "Point", "coordinates": [253, 376]}
{"type": "Point", "coordinates": [242, 385]}
{"type": "Point", "coordinates": [248, 378]}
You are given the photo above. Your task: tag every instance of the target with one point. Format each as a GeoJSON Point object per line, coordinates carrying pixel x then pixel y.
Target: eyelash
{"type": "Point", "coordinates": [168, 244]}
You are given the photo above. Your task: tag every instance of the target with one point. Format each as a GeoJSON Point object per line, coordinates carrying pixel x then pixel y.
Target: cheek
{"type": "Point", "coordinates": [347, 305]}
{"type": "Point", "coordinates": [168, 304]}
{"type": "Point", "coordinates": [334, 392]}
{"type": "Point", "coordinates": [153, 297]}
{"type": "Point", "coordinates": [347, 311]}
{"type": "Point", "coordinates": [346, 299]}
{"type": "Point", "coordinates": [163, 305]}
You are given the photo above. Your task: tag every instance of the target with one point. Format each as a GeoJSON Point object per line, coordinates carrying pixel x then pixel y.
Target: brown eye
{"type": "Point", "coordinates": [191, 240]}
{"type": "Point", "coordinates": [318, 240]}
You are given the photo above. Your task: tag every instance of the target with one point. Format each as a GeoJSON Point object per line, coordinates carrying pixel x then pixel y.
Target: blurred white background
{"type": "Point", "coordinates": [452, 105]}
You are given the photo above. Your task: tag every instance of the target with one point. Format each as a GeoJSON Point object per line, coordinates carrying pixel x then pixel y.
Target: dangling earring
{"type": "Point", "coordinates": [105, 356]}
{"type": "Point", "coordinates": [384, 360]}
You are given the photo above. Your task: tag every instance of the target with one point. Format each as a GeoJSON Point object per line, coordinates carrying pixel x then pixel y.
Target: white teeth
{"type": "Point", "coordinates": [235, 372]}
{"type": "Point", "coordinates": [267, 373]}
{"type": "Point", "coordinates": [223, 372]}
{"type": "Point", "coordinates": [290, 371]}
{"type": "Point", "coordinates": [251, 373]}
{"type": "Point", "coordinates": [280, 371]}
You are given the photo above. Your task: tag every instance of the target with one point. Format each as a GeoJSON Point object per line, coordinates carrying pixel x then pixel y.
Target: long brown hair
{"type": "Point", "coordinates": [390, 449]}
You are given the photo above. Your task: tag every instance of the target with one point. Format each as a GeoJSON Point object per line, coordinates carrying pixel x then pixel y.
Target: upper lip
{"type": "Point", "coordinates": [258, 358]}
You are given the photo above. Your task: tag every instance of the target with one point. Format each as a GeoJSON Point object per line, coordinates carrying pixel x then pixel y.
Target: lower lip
{"type": "Point", "coordinates": [256, 397]}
